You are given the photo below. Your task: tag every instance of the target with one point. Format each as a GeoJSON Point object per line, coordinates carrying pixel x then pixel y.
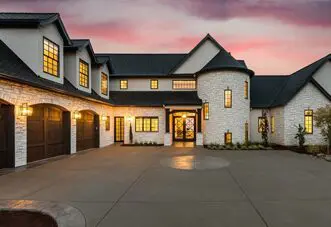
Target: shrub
{"type": "Point", "coordinates": [300, 136]}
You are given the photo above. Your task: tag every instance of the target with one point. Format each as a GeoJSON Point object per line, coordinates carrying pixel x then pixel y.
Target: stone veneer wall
{"type": "Point", "coordinates": [211, 86]}
{"type": "Point", "coordinates": [308, 97]}
{"type": "Point", "coordinates": [17, 94]}
{"type": "Point", "coordinates": [133, 112]}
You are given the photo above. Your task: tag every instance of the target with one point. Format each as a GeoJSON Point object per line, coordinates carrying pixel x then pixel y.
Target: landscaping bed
{"type": "Point", "coordinates": [238, 146]}
{"type": "Point", "coordinates": [22, 218]}
{"type": "Point", "coordinates": [142, 145]}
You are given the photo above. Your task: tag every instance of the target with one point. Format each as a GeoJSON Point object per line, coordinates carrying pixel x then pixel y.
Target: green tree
{"type": "Point", "coordinates": [264, 126]}
{"type": "Point", "coordinates": [322, 119]}
{"type": "Point", "coordinates": [300, 136]}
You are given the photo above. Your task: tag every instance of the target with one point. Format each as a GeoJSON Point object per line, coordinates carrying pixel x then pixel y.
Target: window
{"type": "Point", "coordinates": [83, 74]}
{"type": "Point", "coordinates": [147, 124]}
{"type": "Point", "coordinates": [272, 124]}
{"type": "Point", "coordinates": [108, 124]}
{"type": "Point", "coordinates": [104, 84]}
{"type": "Point", "coordinates": [51, 58]}
{"type": "Point", "coordinates": [184, 84]}
{"type": "Point", "coordinates": [124, 84]}
{"type": "Point", "coordinates": [206, 111]}
{"type": "Point", "coordinates": [154, 84]}
{"type": "Point", "coordinates": [309, 121]}
{"type": "Point", "coordinates": [246, 132]}
{"type": "Point", "coordinates": [228, 137]}
{"type": "Point", "coordinates": [246, 90]}
{"type": "Point", "coordinates": [261, 124]}
{"type": "Point", "coordinates": [228, 98]}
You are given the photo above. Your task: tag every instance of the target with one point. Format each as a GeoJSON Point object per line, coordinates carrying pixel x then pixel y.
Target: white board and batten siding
{"type": "Point", "coordinates": [96, 79]}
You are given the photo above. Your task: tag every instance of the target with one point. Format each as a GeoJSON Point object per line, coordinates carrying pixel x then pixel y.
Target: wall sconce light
{"type": "Point", "coordinates": [104, 117]}
{"type": "Point", "coordinates": [77, 115]}
{"type": "Point", "coordinates": [130, 118]}
{"type": "Point", "coordinates": [25, 110]}
{"type": "Point", "coordinates": [184, 116]}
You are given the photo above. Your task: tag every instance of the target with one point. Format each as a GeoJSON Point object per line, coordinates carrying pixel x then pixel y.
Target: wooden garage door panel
{"type": "Point", "coordinates": [86, 131]}
{"type": "Point", "coordinates": [46, 133]}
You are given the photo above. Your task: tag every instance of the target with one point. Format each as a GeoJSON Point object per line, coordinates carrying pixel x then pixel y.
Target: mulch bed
{"type": "Point", "coordinates": [141, 145]}
{"type": "Point", "coordinates": [22, 218]}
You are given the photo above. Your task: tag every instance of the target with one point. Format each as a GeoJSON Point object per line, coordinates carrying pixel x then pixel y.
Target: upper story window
{"type": "Point", "coordinates": [246, 90]}
{"type": "Point", "coordinates": [51, 58]}
{"type": "Point", "coordinates": [124, 84]}
{"type": "Point", "coordinates": [184, 84]}
{"type": "Point", "coordinates": [154, 84]}
{"type": "Point", "coordinates": [83, 74]}
{"type": "Point", "coordinates": [228, 138]}
{"type": "Point", "coordinates": [272, 124]}
{"type": "Point", "coordinates": [104, 84]}
{"type": "Point", "coordinates": [228, 98]}
{"type": "Point", "coordinates": [309, 121]}
{"type": "Point", "coordinates": [147, 124]}
{"type": "Point", "coordinates": [206, 111]}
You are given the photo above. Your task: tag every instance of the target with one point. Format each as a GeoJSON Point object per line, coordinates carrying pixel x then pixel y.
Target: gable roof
{"type": "Point", "coordinates": [142, 64]}
{"type": "Point", "coordinates": [12, 68]}
{"type": "Point", "coordinates": [224, 60]}
{"type": "Point", "coordinates": [271, 92]}
{"type": "Point", "coordinates": [79, 44]}
{"type": "Point", "coordinates": [207, 37]}
{"type": "Point", "coordinates": [34, 20]}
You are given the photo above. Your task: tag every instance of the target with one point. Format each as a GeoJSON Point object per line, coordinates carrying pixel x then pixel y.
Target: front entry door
{"type": "Point", "coordinates": [119, 129]}
{"type": "Point", "coordinates": [184, 129]}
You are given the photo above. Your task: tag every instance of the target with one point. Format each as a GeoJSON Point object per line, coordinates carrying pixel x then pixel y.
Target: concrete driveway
{"type": "Point", "coordinates": [130, 186]}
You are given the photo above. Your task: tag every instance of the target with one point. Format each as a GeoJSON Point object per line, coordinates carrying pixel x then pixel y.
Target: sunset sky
{"type": "Point", "coordinates": [272, 36]}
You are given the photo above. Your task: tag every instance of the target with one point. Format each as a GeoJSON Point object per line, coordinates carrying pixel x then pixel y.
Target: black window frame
{"type": "Point", "coordinates": [157, 84]}
{"type": "Point", "coordinates": [228, 107]}
{"type": "Point", "coordinates": [127, 85]}
{"type": "Point", "coordinates": [58, 57]}
{"type": "Point", "coordinates": [174, 81]}
{"type": "Point", "coordinates": [205, 112]}
{"type": "Point", "coordinates": [246, 93]}
{"type": "Point", "coordinates": [150, 124]}
{"type": "Point", "coordinates": [225, 138]}
{"type": "Point", "coordinates": [312, 121]}
{"type": "Point", "coordinates": [107, 88]}
{"type": "Point", "coordinates": [88, 73]}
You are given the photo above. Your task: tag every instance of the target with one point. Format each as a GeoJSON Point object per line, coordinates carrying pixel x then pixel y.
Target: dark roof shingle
{"type": "Point", "coordinates": [154, 98]}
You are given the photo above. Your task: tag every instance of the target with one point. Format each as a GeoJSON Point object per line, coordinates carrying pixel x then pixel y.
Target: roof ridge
{"type": "Point", "coordinates": [141, 53]}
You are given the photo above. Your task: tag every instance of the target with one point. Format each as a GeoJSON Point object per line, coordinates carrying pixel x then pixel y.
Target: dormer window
{"type": "Point", "coordinates": [83, 74]}
{"type": "Point", "coordinates": [51, 58]}
{"type": "Point", "coordinates": [104, 84]}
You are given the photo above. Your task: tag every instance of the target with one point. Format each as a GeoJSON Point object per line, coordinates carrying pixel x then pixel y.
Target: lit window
{"type": "Point", "coordinates": [108, 124]}
{"type": "Point", "coordinates": [272, 124]}
{"type": "Point", "coordinates": [246, 90]}
{"type": "Point", "coordinates": [184, 84]}
{"type": "Point", "coordinates": [139, 124]}
{"type": "Point", "coordinates": [51, 58]}
{"type": "Point", "coordinates": [104, 84]}
{"type": "Point", "coordinates": [228, 138]}
{"type": "Point", "coordinates": [309, 121]}
{"type": "Point", "coordinates": [83, 74]}
{"type": "Point", "coordinates": [124, 84]}
{"type": "Point", "coordinates": [206, 110]}
{"type": "Point", "coordinates": [228, 98]}
{"type": "Point", "coordinates": [154, 84]}
{"type": "Point", "coordinates": [261, 124]}
{"type": "Point", "coordinates": [246, 132]}
{"type": "Point", "coordinates": [147, 124]}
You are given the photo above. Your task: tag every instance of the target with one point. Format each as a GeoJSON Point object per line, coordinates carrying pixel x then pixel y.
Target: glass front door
{"type": "Point", "coordinates": [184, 128]}
{"type": "Point", "coordinates": [119, 129]}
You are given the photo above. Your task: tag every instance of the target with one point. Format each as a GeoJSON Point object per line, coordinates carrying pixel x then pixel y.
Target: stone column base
{"type": "Point", "coordinates": [167, 139]}
{"type": "Point", "coordinates": [199, 140]}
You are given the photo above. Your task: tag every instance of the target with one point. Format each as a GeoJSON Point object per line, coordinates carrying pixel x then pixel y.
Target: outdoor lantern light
{"type": "Point", "coordinates": [104, 117]}
{"type": "Point", "coordinates": [129, 118]}
{"type": "Point", "coordinates": [77, 115]}
{"type": "Point", "coordinates": [25, 110]}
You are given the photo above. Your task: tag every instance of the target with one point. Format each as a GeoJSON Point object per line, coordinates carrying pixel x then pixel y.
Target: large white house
{"type": "Point", "coordinates": [59, 97]}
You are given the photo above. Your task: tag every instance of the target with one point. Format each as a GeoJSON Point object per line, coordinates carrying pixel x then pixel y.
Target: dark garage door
{"type": "Point", "coordinates": [48, 132]}
{"type": "Point", "coordinates": [87, 131]}
{"type": "Point", "coordinates": [6, 135]}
